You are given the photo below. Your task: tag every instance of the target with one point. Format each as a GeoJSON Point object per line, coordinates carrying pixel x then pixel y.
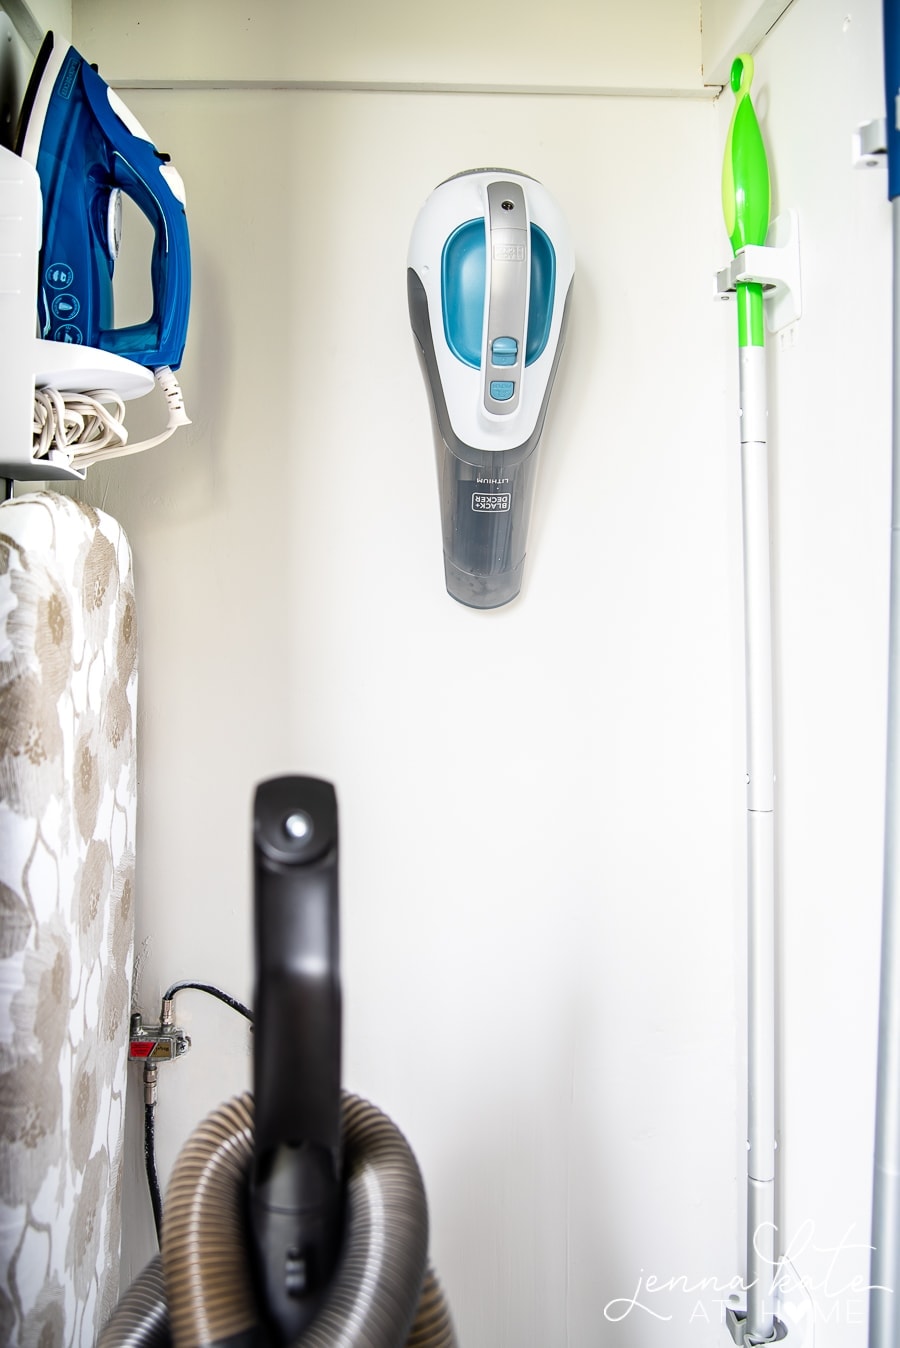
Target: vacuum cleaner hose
{"type": "Point", "coordinates": [141, 1319]}
{"type": "Point", "coordinates": [383, 1295]}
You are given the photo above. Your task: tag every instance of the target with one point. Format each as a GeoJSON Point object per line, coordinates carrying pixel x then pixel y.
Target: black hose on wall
{"type": "Point", "coordinates": [150, 1166]}
{"type": "Point", "coordinates": [383, 1294]}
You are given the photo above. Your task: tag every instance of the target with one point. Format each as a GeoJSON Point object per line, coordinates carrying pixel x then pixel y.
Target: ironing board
{"type": "Point", "coordinates": [68, 688]}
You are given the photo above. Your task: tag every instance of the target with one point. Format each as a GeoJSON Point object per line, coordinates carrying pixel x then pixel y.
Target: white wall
{"type": "Point", "coordinates": [529, 883]}
{"type": "Point", "coordinates": [543, 934]}
{"type": "Point", "coordinates": [732, 26]}
{"type": "Point", "coordinates": [654, 45]}
{"type": "Point", "coordinates": [22, 25]}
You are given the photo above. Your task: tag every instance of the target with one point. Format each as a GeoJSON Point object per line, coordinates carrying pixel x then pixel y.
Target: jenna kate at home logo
{"type": "Point", "coordinates": [837, 1294]}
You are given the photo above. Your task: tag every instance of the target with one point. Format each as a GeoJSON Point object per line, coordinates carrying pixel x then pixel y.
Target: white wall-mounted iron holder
{"type": "Point", "coordinates": [27, 362]}
{"type": "Point", "coordinates": [775, 266]}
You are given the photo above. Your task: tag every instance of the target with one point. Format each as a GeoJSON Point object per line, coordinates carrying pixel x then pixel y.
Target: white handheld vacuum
{"type": "Point", "coordinates": [488, 282]}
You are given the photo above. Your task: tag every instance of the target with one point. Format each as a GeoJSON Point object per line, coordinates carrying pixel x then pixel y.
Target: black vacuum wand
{"type": "Point", "coordinates": [296, 1194]}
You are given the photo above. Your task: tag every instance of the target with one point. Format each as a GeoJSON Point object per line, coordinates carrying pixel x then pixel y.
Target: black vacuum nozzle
{"type": "Point", "coordinates": [296, 1198]}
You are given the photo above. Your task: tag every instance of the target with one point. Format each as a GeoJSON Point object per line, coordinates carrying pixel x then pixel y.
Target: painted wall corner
{"type": "Point", "coordinates": [733, 26]}
{"type": "Point", "coordinates": [22, 27]}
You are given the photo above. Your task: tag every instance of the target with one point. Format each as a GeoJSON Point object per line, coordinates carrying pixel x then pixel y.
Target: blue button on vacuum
{"type": "Point", "coordinates": [502, 389]}
{"type": "Point", "coordinates": [504, 351]}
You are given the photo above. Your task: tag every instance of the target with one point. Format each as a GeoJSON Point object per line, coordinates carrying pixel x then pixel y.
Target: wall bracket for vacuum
{"type": "Point", "coordinates": [775, 266]}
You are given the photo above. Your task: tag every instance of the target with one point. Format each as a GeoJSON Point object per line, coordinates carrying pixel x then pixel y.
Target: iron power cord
{"type": "Point", "coordinates": [162, 1043]}
{"type": "Point", "coordinates": [80, 429]}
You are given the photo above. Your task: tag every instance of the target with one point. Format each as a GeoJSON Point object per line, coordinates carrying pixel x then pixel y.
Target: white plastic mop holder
{"type": "Point", "coordinates": [736, 1319]}
{"type": "Point", "coordinates": [775, 266]}
{"type": "Point", "coordinates": [794, 1317]}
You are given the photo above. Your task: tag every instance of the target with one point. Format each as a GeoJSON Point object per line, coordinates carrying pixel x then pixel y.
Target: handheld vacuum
{"type": "Point", "coordinates": [296, 1215]}
{"type": "Point", "coordinates": [489, 281]}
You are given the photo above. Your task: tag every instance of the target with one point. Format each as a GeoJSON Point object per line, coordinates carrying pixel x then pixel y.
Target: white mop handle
{"type": "Point", "coordinates": [760, 846]}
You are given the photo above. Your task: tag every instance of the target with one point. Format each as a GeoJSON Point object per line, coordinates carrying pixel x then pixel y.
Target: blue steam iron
{"type": "Point", "coordinates": [489, 278]}
{"type": "Point", "coordinates": [89, 149]}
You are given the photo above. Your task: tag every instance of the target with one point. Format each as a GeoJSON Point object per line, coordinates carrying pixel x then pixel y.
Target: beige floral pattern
{"type": "Point", "coordinates": [68, 690]}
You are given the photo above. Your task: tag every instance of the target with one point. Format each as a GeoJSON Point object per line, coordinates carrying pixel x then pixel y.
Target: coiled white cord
{"type": "Point", "coordinates": [79, 429]}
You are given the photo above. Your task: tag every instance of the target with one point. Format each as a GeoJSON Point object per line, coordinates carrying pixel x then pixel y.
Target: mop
{"type": "Point", "coordinates": [745, 201]}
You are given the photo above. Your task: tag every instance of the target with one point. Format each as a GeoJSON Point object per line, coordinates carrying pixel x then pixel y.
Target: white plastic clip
{"type": "Point", "coordinates": [870, 144]}
{"type": "Point", "coordinates": [736, 1324]}
{"type": "Point", "coordinates": [775, 266]}
{"type": "Point", "coordinates": [795, 1316]}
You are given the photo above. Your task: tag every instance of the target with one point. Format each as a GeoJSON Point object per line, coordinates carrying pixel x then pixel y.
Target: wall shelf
{"type": "Point", "coordinates": [28, 362]}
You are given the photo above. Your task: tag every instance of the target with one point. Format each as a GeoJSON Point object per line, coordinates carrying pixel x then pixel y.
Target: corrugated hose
{"type": "Point", "coordinates": [199, 1293]}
